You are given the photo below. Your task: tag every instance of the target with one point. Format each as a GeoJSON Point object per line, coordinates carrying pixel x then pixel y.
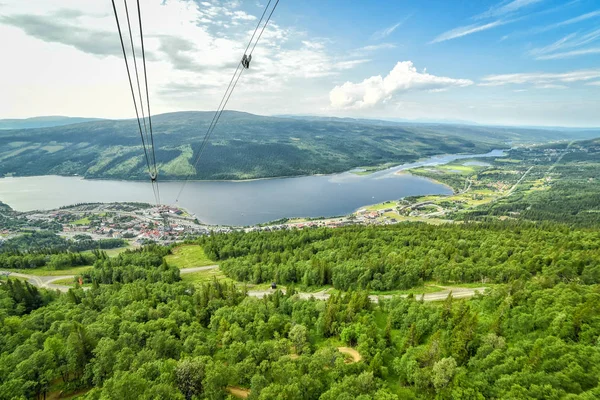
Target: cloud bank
{"type": "Point", "coordinates": [541, 79]}
{"type": "Point", "coordinates": [376, 90]}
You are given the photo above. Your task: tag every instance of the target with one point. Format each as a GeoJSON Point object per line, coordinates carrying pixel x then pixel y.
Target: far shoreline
{"type": "Point", "coordinates": [418, 160]}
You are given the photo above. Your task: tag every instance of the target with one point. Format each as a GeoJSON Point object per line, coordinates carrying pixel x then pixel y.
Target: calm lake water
{"type": "Point", "coordinates": [235, 203]}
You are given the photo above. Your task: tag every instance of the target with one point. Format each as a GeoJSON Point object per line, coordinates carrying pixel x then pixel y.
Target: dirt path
{"type": "Point", "coordinates": [238, 392]}
{"type": "Point", "coordinates": [184, 271]}
{"type": "Point", "coordinates": [351, 352]}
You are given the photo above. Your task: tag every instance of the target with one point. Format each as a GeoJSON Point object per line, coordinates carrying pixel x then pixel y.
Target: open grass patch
{"type": "Point", "coordinates": [116, 251]}
{"type": "Point", "coordinates": [381, 206]}
{"type": "Point", "coordinates": [188, 256]}
{"type": "Point", "coordinates": [206, 276]}
{"type": "Point", "coordinates": [82, 221]}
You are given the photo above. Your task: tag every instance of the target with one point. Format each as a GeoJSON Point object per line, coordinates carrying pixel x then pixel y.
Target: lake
{"type": "Point", "coordinates": [236, 203]}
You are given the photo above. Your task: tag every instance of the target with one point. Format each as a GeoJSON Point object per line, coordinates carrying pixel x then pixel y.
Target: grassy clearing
{"type": "Point", "coordinates": [116, 252]}
{"type": "Point", "coordinates": [188, 256]}
{"type": "Point", "coordinates": [112, 252]}
{"type": "Point", "coordinates": [381, 206]}
{"type": "Point", "coordinates": [17, 152]}
{"type": "Point", "coordinates": [82, 221]}
{"type": "Point", "coordinates": [125, 166]}
{"type": "Point", "coordinates": [180, 166]}
{"type": "Point", "coordinates": [66, 282]}
{"type": "Point", "coordinates": [456, 168]}
{"type": "Point", "coordinates": [206, 276]}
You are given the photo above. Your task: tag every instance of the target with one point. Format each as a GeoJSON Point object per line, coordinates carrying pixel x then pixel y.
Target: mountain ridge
{"type": "Point", "coordinates": [245, 146]}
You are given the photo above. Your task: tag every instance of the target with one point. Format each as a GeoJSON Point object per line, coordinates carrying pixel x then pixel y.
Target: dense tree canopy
{"type": "Point", "coordinates": [406, 255]}
{"type": "Point", "coordinates": [140, 333]}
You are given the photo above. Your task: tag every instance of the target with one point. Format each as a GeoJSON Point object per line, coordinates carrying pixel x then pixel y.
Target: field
{"type": "Point", "coordinates": [206, 276]}
{"type": "Point", "coordinates": [82, 221]}
{"type": "Point", "coordinates": [188, 256]}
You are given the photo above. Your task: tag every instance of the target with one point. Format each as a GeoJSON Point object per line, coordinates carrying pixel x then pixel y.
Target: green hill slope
{"type": "Point", "coordinates": [243, 146]}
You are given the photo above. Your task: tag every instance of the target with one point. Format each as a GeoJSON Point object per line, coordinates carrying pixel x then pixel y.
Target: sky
{"type": "Point", "coordinates": [511, 62]}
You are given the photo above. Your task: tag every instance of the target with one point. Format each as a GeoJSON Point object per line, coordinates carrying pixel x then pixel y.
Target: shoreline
{"type": "Point", "coordinates": [349, 171]}
{"type": "Point", "coordinates": [395, 170]}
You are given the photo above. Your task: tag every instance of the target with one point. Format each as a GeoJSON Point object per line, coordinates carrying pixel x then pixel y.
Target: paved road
{"type": "Point", "coordinates": [42, 281]}
{"type": "Point", "coordinates": [46, 282]}
{"type": "Point", "coordinates": [457, 292]}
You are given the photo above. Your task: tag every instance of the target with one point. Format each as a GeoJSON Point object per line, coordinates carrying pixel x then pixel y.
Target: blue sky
{"type": "Point", "coordinates": [513, 62]}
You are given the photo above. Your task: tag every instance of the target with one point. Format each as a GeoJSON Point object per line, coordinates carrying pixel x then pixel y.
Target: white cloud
{"type": "Point", "coordinates": [569, 54]}
{"type": "Point", "coordinates": [596, 83]}
{"type": "Point", "coordinates": [377, 89]}
{"type": "Point", "coordinates": [365, 50]}
{"type": "Point", "coordinates": [557, 49]}
{"type": "Point", "coordinates": [583, 17]}
{"type": "Point", "coordinates": [382, 34]}
{"type": "Point", "coordinates": [468, 30]}
{"type": "Point", "coordinates": [502, 13]}
{"type": "Point", "coordinates": [551, 86]}
{"type": "Point", "coordinates": [192, 50]}
{"type": "Point", "coordinates": [541, 78]}
{"type": "Point", "coordinates": [507, 8]}
{"type": "Point", "coordinates": [377, 47]}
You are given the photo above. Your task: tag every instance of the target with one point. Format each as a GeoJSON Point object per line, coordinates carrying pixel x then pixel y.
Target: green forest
{"type": "Point", "coordinates": [137, 331]}
{"type": "Point", "coordinates": [246, 146]}
{"type": "Point", "coordinates": [407, 255]}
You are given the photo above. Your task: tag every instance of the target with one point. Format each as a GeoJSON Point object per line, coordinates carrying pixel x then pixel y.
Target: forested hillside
{"type": "Point", "coordinates": [407, 255]}
{"type": "Point", "coordinates": [139, 332]}
{"type": "Point", "coordinates": [244, 146]}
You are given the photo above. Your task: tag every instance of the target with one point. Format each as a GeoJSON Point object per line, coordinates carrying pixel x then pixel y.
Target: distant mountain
{"type": "Point", "coordinates": [42, 122]}
{"type": "Point", "coordinates": [384, 121]}
{"type": "Point", "coordinates": [246, 146]}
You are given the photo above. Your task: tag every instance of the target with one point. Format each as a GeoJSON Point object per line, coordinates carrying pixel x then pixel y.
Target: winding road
{"type": "Point", "coordinates": [457, 293]}
{"type": "Point", "coordinates": [47, 282]}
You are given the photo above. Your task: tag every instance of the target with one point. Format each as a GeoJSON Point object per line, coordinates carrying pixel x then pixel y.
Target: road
{"type": "Point", "coordinates": [457, 293]}
{"type": "Point", "coordinates": [47, 282]}
{"type": "Point", "coordinates": [512, 189]}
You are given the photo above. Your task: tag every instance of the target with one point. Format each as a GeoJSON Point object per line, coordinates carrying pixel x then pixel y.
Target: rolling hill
{"type": "Point", "coordinates": [42, 122]}
{"type": "Point", "coordinates": [246, 146]}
